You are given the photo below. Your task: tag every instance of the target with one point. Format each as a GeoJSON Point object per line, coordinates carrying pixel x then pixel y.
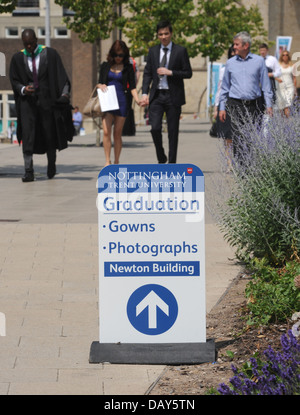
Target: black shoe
{"type": "Point", "coordinates": [28, 178]}
{"type": "Point", "coordinates": [163, 160]}
{"type": "Point", "coordinates": [51, 171]}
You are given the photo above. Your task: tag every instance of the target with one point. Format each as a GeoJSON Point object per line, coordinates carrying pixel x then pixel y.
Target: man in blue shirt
{"type": "Point", "coordinates": [77, 120]}
{"type": "Point", "coordinates": [245, 86]}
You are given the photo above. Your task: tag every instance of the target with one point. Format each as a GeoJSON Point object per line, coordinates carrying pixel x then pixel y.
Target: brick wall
{"type": "Point", "coordinates": [84, 75]}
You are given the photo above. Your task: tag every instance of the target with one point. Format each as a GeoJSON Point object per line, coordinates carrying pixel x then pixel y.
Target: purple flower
{"type": "Point", "coordinates": [279, 375]}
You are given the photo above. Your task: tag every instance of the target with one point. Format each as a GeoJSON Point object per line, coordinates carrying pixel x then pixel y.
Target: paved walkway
{"type": "Point", "coordinates": [49, 266]}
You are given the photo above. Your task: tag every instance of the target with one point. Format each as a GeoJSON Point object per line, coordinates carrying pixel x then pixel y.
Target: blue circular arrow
{"type": "Point", "coordinates": [152, 309]}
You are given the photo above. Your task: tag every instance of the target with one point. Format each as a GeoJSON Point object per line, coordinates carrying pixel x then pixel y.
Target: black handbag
{"type": "Point", "coordinates": [213, 132]}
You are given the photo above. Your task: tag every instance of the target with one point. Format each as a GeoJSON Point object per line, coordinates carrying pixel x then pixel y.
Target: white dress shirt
{"type": "Point", "coordinates": [37, 64]}
{"type": "Point", "coordinates": [272, 63]}
{"type": "Point", "coordinates": [163, 83]}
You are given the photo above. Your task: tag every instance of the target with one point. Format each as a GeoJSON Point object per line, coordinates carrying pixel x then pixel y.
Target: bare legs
{"type": "Point", "coordinates": [108, 121]}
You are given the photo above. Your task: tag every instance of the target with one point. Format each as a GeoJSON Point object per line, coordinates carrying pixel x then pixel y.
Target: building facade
{"type": "Point", "coordinates": [281, 18]}
{"type": "Point", "coordinates": [78, 58]}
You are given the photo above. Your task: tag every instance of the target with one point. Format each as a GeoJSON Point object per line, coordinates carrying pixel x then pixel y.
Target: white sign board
{"type": "Point", "coordinates": [151, 254]}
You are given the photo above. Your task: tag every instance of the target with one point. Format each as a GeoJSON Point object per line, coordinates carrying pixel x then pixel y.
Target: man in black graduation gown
{"type": "Point", "coordinates": [42, 95]}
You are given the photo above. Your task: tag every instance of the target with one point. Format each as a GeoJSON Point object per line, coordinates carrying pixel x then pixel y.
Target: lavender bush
{"type": "Point", "coordinates": [260, 214]}
{"type": "Point", "coordinates": [279, 374]}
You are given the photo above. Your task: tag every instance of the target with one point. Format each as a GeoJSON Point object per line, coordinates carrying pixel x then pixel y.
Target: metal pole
{"type": "Point", "coordinates": [47, 22]}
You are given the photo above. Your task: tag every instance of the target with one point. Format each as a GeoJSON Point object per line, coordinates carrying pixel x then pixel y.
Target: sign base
{"type": "Point", "coordinates": [153, 353]}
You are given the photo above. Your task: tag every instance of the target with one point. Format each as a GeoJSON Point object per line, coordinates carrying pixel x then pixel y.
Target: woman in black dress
{"type": "Point", "coordinates": [118, 71]}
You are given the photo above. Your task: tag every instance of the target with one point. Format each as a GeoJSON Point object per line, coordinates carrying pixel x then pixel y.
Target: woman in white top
{"type": "Point", "coordinates": [287, 83]}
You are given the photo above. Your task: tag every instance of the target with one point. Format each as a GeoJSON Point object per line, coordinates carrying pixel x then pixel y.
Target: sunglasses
{"type": "Point", "coordinates": [118, 55]}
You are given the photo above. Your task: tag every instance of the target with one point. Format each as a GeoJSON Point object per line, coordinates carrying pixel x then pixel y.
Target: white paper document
{"type": "Point", "coordinates": [108, 99]}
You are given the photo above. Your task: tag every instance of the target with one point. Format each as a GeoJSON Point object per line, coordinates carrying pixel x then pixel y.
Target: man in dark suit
{"type": "Point", "coordinates": [42, 95]}
{"type": "Point", "coordinates": [167, 65]}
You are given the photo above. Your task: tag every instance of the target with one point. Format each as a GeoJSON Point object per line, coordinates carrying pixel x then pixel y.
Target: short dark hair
{"type": "Point", "coordinates": [163, 24]}
{"type": "Point", "coordinates": [28, 33]}
{"type": "Point", "coordinates": [263, 46]}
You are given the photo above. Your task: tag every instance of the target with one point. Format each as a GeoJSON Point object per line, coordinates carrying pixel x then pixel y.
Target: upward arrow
{"type": "Point", "coordinates": [152, 301]}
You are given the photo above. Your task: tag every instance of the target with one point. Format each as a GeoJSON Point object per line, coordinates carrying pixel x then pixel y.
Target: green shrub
{"type": "Point", "coordinates": [272, 295]}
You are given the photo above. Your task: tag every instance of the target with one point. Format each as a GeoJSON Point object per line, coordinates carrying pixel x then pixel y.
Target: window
{"type": "Point", "coordinates": [11, 117]}
{"type": "Point", "coordinates": [68, 12]}
{"type": "Point", "coordinates": [28, 3]}
{"type": "Point", "coordinates": [60, 32]}
{"type": "Point", "coordinates": [41, 32]}
{"type": "Point", "coordinates": [27, 8]}
{"type": "Point", "coordinates": [12, 113]}
{"type": "Point", "coordinates": [7, 111]}
{"type": "Point", "coordinates": [11, 32]}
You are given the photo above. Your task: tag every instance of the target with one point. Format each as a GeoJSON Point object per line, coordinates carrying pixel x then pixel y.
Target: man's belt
{"type": "Point", "coordinates": [247, 102]}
